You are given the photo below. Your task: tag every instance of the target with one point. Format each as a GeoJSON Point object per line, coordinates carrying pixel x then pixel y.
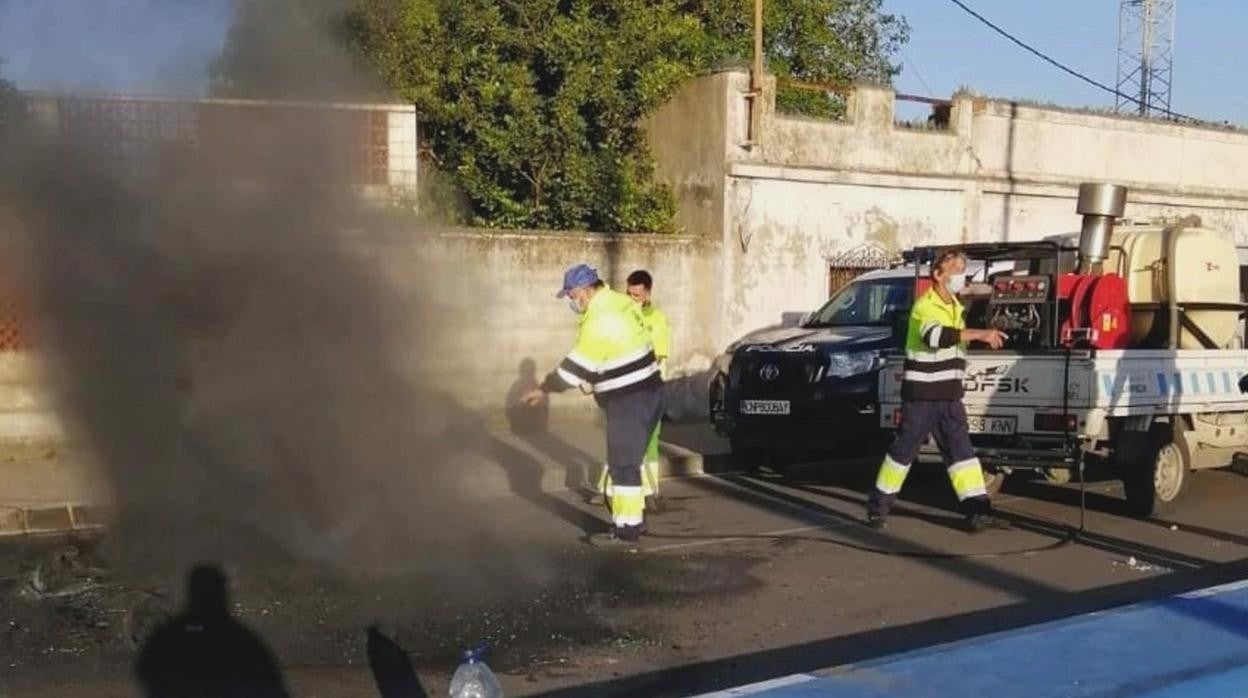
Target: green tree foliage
{"type": "Point", "coordinates": [820, 42]}
{"type": "Point", "coordinates": [534, 107]}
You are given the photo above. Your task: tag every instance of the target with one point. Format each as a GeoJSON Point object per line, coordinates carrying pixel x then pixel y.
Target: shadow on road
{"type": "Point", "coordinates": [204, 651]}
{"type": "Point", "coordinates": [532, 424]}
{"type": "Point", "coordinates": [392, 668]}
{"type": "Point", "coordinates": [1040, 601]}
{"type": "Point", "coordinates": [524, 472]}
{"type": "Point", "coordinates": [721, 674]}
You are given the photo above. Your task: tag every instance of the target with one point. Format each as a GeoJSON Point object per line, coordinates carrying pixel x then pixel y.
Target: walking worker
{"type": "Point", "coordinates": [931, 393]}
{"type": "Point", "coordinates": [614, 360]}
{"type": "Point", "coordinates": [640, 288]}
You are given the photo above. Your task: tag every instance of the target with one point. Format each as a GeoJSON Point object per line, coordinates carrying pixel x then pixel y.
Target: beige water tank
{"type": "Point", "coordinates": [1206, 271]}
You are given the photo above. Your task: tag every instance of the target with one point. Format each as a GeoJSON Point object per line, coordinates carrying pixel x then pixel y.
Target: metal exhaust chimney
{"type": "Point", "coordinates": [1100, 205]}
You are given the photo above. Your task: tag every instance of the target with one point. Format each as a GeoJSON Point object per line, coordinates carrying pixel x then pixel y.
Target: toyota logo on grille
{"type": "Point", "coordinates": [770, 372]}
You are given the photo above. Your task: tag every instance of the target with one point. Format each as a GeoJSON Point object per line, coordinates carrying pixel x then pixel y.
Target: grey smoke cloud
{"type": "Point", "coordinates": [112, 45]}
{"type": "Point", "coordinates": [253, 373]}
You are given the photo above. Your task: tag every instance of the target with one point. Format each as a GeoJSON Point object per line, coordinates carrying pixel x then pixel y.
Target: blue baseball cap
{"type": "Point", "coordinates": [576, 277]}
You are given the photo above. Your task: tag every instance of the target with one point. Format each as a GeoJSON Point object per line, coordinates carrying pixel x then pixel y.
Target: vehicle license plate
{"type": "Point", "coordinates": [991, 425]}
{"type": "Point", "coordinates": [765, 407]}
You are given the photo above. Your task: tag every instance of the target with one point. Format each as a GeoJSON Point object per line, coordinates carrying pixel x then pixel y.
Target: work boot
{"type": "Point", "coordinates": [977, 523]}
{"type": "Point", "coordinates": [876, 521]}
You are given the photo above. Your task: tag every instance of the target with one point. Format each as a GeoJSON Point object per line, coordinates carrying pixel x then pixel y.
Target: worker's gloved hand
{"type": "Point", "coordinates": [995, 338]}
{"type": "Point", "coordinates": [534, 397]}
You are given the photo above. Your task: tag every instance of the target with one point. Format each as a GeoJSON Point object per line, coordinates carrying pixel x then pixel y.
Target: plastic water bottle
{"type": "Point", "coordinates": [473, 679]}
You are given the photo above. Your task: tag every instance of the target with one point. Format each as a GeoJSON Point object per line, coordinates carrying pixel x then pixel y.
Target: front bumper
{"type": "Point", "coordinates": [1029, 447]}
{"type": "Point", "coordinates": [825, 416]}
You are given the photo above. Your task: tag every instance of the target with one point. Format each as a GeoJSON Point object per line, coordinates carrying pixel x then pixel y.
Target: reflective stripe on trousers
{"type": "Point", "coordinates": [946, 420]}
{"type": "Point", "coordinates": [968, 479]}
{"type": "Point", "coordinates": [628, 506]}
{"type": "Point", "coordinates": [892, 476]}
{"type": "Point", "coordinates": [631, 421]}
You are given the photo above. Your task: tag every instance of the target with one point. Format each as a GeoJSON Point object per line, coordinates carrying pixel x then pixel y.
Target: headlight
{"type": "Point", "coordinates": [844, 365]}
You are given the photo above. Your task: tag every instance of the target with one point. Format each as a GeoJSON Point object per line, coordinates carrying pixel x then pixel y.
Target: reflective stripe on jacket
{"type": "Point", "coordinates": [935, 352]}
{"type": "Point", "coordinates": [613, 354]}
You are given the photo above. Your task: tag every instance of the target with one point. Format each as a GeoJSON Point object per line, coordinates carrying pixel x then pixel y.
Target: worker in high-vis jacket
{"type": "Point", "coordinates": [931, 393]}
{"type": "Point", "coordinates": [614, 360]}
{"type": "Point", "coordinates": [640, 289]}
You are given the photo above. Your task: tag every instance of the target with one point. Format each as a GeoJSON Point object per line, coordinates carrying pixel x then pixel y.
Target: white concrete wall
{"type": "Point", "coordinates": [809, 190]}
{"type": "Point", "coordinates": [487, 306]}
{"type": "Point", "coordinates": [760, 222]}
{"type": "Point", "coordinates": [493, 304]}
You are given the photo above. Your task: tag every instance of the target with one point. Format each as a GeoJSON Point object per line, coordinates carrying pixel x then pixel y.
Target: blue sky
{"type": "Point", "coordinates": [166, 45]}
{"type": "Point", "coordinates": [949, 48]}
{"type": "Point", "coordinates": [111, 45]}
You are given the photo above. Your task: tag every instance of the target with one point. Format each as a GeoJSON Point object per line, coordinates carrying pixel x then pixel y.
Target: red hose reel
{"type": "Point", "coordinates": [1099, 312]}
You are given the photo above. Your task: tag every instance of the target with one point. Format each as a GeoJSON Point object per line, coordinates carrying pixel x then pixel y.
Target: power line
{"type": "Point", "coordinates": [913, 66]}
{"type": "Point", "coordinates": [1053, 62]}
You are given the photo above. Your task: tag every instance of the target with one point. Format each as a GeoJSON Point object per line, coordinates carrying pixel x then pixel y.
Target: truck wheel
{"type": "Point", "coordinates": [1154, 471]}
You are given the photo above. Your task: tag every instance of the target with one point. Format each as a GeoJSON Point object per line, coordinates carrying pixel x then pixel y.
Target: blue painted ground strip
{"type": "Point", "coordinates": [1181, 647]}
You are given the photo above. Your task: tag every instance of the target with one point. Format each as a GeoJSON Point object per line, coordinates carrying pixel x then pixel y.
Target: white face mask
{"type": "Point", "coordinates": [956, 283]}
{"type": "Point", "coordinates": [576, 307]}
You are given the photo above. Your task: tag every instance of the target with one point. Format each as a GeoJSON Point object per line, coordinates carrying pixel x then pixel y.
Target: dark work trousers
{"type": "Point", "coordinates": [631, 419]}
{"type": "Point", "coordinates": [944, 419]}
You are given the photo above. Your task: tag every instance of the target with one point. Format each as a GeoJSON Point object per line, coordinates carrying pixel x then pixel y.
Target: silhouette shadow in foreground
{"type": "Point", "coordinates": [392, 668]}
{"type": "Point", "coordinates": [203, 651]}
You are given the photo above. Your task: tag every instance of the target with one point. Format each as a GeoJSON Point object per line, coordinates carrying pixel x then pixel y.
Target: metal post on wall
{"type": "Point", "coordinates": [756, 76]}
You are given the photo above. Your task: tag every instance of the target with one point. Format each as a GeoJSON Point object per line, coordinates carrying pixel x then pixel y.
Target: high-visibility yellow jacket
{"type": "Point", "coordinates": [613, 354]}
{"type": "Point", "coordinates": [660, 333]}
{"type": "Point", "coordinates": [935, 352]}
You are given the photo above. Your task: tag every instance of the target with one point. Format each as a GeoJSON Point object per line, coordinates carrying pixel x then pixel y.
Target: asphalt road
{"type": "Point", "coordinates": [743, 578]}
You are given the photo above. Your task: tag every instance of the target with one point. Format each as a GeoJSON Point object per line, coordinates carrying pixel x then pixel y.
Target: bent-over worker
{"type": "Point", "coordinates": [614, 360]}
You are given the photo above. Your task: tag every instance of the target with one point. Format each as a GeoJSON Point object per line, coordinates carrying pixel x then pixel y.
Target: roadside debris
{"type": "Point", "coordinates": [1139, 566]}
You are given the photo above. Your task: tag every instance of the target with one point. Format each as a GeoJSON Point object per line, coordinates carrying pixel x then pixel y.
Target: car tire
{"type": "Point", "coordinates": [1154, 469]}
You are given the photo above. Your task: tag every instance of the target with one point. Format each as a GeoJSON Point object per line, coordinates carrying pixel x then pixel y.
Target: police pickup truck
{"type": "Point", "coordinates": [784, 393]}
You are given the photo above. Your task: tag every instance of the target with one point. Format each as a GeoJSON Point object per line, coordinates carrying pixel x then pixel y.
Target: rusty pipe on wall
{"type": "Point", "coordinates": [756, 76]}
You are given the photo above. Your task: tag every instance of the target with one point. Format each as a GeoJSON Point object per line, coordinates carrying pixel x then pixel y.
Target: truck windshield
{"type": "Point", "coordinates": [866, 302]}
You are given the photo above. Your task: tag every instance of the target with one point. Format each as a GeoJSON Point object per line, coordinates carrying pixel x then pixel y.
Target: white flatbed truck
{"type": "Point", "coordinates": [1126, 347]}
{"type": "Point", "coordinates": [1156, 415]}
